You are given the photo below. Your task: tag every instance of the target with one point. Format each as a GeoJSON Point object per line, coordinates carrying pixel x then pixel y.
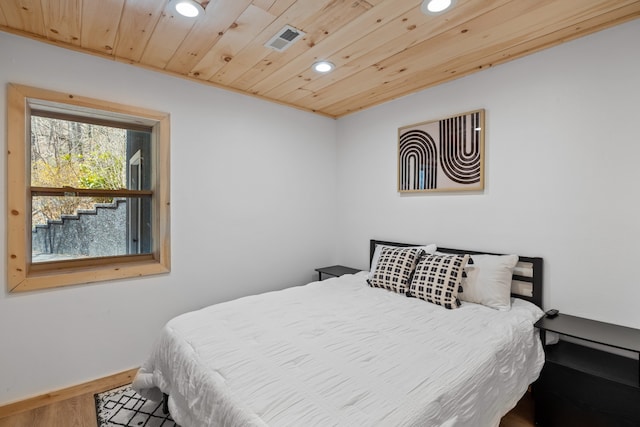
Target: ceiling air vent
{"type": "Point", "coordinates": [284, 38]}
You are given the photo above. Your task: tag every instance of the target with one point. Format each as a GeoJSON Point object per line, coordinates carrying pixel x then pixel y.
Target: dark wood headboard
{"type": "Point", "coordinates": [527, 275]}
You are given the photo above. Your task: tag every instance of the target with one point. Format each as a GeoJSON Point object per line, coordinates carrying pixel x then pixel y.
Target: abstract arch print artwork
{"type": "Point", "coordinates": [442, 155]}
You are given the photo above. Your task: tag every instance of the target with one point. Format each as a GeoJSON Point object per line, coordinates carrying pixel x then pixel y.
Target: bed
{"type": "Point", "coordinates": [343, 352]}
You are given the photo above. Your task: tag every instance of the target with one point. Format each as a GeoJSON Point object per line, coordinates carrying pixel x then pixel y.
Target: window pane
{"type": "Point", "coordinates": [84, 155]}
{"type": "Point", "coordinates": [67, 227]}
{"type": "Point", "coordinates": [68, 153]}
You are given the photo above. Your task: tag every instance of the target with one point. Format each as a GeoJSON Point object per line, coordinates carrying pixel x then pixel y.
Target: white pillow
{"type": "Point", "coordinates": [488, 280]}
{"type": "Point", "coordinates": [376, 255]}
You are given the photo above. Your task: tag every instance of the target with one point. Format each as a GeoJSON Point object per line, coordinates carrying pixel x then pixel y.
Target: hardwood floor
{"type": "Point", "coordinates": [80, 411]}
{"type": "Point", "coordinates": [521, 415]}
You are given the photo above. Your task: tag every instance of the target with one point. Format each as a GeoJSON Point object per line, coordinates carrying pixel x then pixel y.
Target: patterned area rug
{"type": "Point", "coordinates": [124, 407]}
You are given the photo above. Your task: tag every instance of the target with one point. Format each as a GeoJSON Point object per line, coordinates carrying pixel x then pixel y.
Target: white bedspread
{"type": "Point", "coordinates": [339, 353]}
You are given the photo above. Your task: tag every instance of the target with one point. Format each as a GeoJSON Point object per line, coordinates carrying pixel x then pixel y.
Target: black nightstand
{"type": "Point", "coordinates": [584, 387]}
{"type": "Point", "coordinates": [335, 271]}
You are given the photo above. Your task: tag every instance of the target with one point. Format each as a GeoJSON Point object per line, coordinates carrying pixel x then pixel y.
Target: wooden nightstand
{"type": "Point", "coordinates": [335, 271]}
{"type": "Point", "coordinates": [584, 387]}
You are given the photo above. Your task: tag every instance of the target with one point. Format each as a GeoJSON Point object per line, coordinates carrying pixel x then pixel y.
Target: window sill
{"type": "Point", "coordinates": [53, 277]}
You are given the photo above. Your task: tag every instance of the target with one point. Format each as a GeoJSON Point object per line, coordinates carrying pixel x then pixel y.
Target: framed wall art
{"type": "Point", "coordinates": [442, 155]}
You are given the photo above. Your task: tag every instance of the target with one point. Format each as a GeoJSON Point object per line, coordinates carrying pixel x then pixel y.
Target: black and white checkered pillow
{"type": "Point", "coordinates": [437, 279]}
{"type": "Point", "coordinates": [394, 268]}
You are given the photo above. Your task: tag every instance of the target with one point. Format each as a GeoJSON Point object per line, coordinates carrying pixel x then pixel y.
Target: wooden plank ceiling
{"type": "Point", "coordinates": [382, 49]}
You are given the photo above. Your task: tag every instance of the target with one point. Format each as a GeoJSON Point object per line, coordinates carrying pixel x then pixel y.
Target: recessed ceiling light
{"type": "Point", "coordinates": [436, 7]}
{"type": "Point", "coordinates": [188, 8]}
{"type": "Point", "coordinates": [323, 67]}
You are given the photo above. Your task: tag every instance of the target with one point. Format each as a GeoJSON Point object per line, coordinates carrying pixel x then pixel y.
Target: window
{"type": "Point", "coordinates": [88, 190]}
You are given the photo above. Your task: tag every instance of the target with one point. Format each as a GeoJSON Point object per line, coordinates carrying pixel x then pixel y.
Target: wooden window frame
{"type": "Point", "coordinates": [23, 275]}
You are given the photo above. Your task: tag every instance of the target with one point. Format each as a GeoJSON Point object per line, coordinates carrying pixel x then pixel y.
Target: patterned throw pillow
{"type": "Point", "coordinates": [394, 268]}
{"type": "Point", "coordinates": [437, 279]}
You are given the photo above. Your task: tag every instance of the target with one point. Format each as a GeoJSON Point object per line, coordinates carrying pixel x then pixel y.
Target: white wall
{"type": "Point", "coordinates": [562, 182]}
{"type": "Point", "coordinates": [562, 143]}
{"type": "Point", "coordinates": [248, 179]}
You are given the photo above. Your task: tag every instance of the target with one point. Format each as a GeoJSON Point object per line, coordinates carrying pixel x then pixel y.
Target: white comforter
{"type": "Point", "coordinates": [339, 353]}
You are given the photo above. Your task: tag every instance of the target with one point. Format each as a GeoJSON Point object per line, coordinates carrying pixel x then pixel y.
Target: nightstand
{"type": "Point", "coordinates": [584, 387]}
{"type": "Point", "coordinates": [335, 271]}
